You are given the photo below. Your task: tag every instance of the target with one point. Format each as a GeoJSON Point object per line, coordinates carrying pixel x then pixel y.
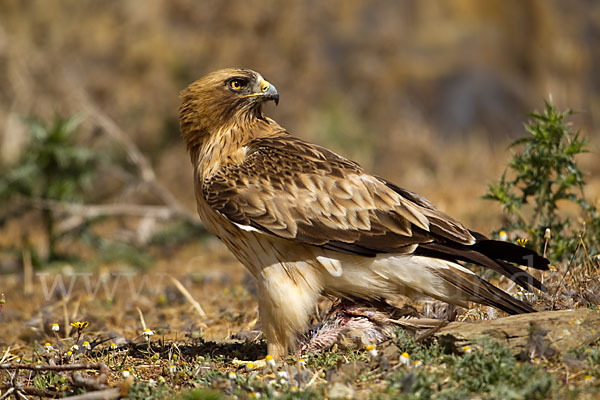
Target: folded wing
{"type": "Point", "coordinates": [298, 191]}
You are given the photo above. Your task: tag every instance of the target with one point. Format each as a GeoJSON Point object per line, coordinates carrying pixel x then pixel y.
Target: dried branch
{"type": "Point", "coordinates": [188, 297]}
{"type": "Point", "coordinates": [67, 367]}
{"type": "Point", "coordinates": [109, 126]}
{"type": "Point", "coordinates": [90, 211]}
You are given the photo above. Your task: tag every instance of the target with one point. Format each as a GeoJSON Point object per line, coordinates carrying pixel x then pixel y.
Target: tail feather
{"type": "Point", "coordinates": [481, 291]}
{"type": "Point", "coordinates": [454, 252]}
{"type": "Point", "coordinates": [510, 252]}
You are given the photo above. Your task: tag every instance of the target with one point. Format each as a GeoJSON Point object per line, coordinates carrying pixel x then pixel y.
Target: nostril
{"type": "Point", "coordinates": [264, 86]}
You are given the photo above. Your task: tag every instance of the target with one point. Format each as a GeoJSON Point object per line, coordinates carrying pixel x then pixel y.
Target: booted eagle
{"type": "Point", "coordinates": [306, 221]}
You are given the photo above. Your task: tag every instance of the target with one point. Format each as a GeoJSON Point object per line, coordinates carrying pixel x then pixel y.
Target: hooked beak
{"type": "Point", "coordinates": [267, 92]}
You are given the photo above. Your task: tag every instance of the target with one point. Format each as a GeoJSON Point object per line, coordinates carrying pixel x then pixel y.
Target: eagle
{"type": "Point", "coordinates": [307, 222]}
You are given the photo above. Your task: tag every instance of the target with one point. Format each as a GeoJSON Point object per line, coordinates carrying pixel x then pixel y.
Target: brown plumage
{"type": "Point", "coordinates": [306, 221]}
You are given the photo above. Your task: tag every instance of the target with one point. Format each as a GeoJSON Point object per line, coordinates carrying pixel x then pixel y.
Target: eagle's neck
{"type": "Point", "coordinates": [227, 144]}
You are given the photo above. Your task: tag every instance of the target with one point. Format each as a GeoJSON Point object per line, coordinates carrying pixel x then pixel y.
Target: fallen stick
{"type": "Point", "coordinates": [30, 390]}
{"type": "Point", "coordinates": [96, 383]}
{"type": "Point", "coordinates": [106, 394]}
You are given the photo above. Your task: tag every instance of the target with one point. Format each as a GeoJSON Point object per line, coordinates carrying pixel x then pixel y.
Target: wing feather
{"type": "Point", "coordinates": [299, 191]}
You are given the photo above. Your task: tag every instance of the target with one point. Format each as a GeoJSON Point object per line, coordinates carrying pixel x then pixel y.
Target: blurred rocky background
{"type": "Point", "coordinates": [423, 92]}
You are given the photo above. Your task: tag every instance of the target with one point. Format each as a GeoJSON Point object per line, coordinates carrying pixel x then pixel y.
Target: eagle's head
{"type": "Point", "coordinates": [220, 98]}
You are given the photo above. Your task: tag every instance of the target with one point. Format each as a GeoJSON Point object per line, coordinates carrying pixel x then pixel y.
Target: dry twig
{"type": "Point", "coordinates": [188, 296]}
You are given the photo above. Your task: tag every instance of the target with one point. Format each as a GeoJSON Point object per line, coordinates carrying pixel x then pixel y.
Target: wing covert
{"type": "Point", "coordinates": [298, 191]}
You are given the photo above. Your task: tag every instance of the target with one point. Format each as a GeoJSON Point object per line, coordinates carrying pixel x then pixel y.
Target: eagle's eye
{"type": "Point", "coordinates": [237, 84]}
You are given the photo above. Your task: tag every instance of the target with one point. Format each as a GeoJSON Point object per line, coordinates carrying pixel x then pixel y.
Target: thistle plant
{"type": "Point", "coordinates": [542, 174]}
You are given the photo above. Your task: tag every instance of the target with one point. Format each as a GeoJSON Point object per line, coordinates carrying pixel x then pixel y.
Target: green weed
{"type": "Point", "coordinates": [541, 175]}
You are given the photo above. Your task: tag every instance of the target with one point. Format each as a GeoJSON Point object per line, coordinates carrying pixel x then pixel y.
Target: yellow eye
{"type": "Point", "coordinates": [236, 84]}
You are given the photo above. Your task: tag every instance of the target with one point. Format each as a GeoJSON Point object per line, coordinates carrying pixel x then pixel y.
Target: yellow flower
{"type": "Point", "coordinates": [249, 366]}
{"type": "Point", "coordinates": [417, 363]}
{"type": "Point", "coordinates": [502, 236]}
{"type": "Point", "coordinates": [467, 349]}
{"type": "Point", "coordinates": [86, 345]}
{"type": "Point", "coordinates": [113, 346]}
{"type": "Point", "coordinates": [80, 325]}
{"type": "Point", "coordinates": [522, 241]}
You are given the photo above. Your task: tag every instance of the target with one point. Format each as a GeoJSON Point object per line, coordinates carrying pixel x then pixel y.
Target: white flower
{"type": "Point", "coordinates": [372, 350]}
{"type": "Point", "coordinates": [417, 363]}
{"type": "Point", "coordinates": [75, 347]}
{"type": "Point", "coordinates": [148, 332]}
{"type": "Point", "coordinates": [270, 361]}
{"type": "Point", "coordinates": [231, 375]}
{"type": "Point", "coordinates": [48, 347]}
{"type": "Point", "coordinates": [302, 363]}
{"type": "Point", "coordinates": [405, 359]}
{"type": "Point", "coordinates": [55, 327]}
{"type": "Point", "coordinates": [502, 236]}
{"type": "Point", "coordinates": [86, 345]}
{"type": "Point", "coordinates": [283, 375]}
{"type": "Point", "coordinates": [172, 369]}
{"type": "Point", "coordinates": [467, 349]}
{"type": "Point", "coordinates": [126, 374]}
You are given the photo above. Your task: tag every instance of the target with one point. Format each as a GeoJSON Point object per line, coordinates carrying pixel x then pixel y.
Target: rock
{"type": "Point", "coordinates": [532, 335]}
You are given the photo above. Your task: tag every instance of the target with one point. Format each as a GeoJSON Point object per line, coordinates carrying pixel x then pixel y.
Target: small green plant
{"type": "Point", "coordinates": [53, 167]}
{"type": "Point", "coordinates": [56, 171]}
{"type": "Point", "coordinates": [542, 174]}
